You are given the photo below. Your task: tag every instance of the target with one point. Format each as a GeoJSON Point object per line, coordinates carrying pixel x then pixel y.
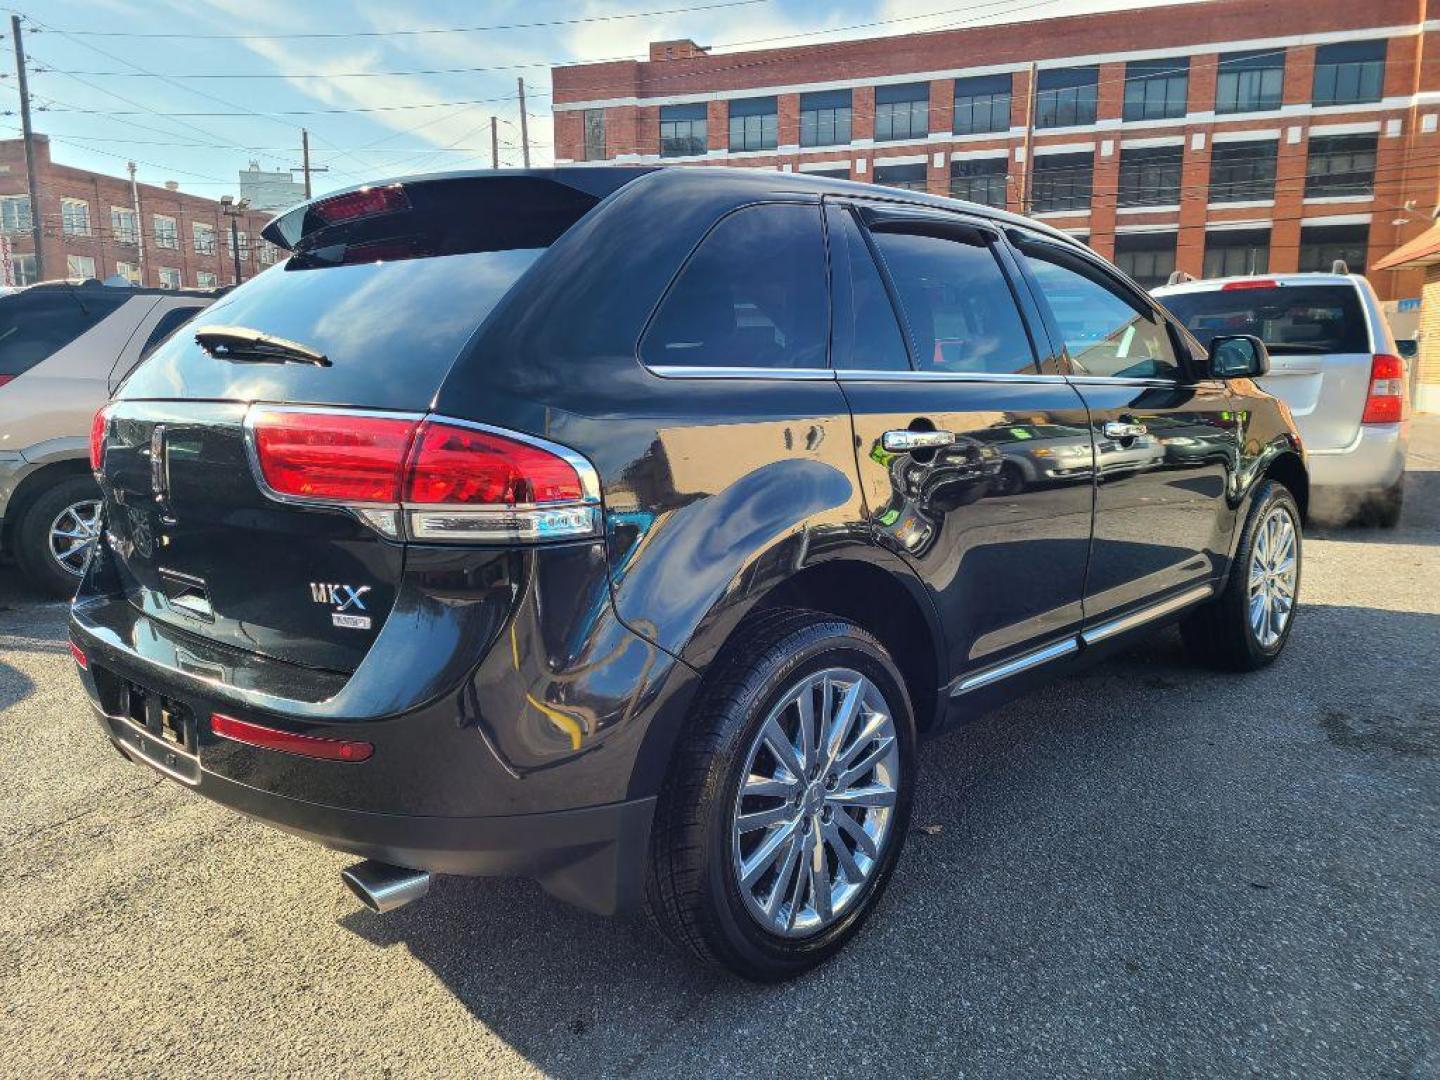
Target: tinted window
{"type": "Point", "coordinates": [1289, 318]}
{"type": "Point", "coordinates": [752, 295]}
{"type": "Point", "coordinates": [38, 323]}
{"type": "Point", "coordinates": [957, 303]}
{"type": "Point", "coordinates": [865, 335]}
{"type": "Point", "coordinates": [167, 325]}
{"type": "Point", "coordinates": [1107, 330]}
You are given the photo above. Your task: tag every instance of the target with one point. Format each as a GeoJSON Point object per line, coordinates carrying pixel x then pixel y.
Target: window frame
{"type": "Point", "coordinates": [1359, 146]}
{"type": "Point", "coordinates": [124, 225]}
{"type": "Point", "coordinates": [988, 175]}
{"type": "Point", "coordinates": [1076, 89]}
{"type": "Point", "coordinates": [1245, 62]}
{"type": "Point", "coordinates": [917, 111]}
{"type": "Point", "coordinates": [1332, 71]}
{"type": "Point", "coordinates": [586, 147]}
{"type": "Point", "coordinates": [1240, 159]}
{"type": "Point", "coordinates": [24, 214]}
{"type": "Point", "coordinates": [756, 135]}
{"type": "Point", "coordinates": [1037, 174]}
{"type": "Point", "coordinates": [172, 234]}
{"type": "Point", "coordinates": [75, 216]}
{"type": "Point", "coordinates": [1144, 177]}
{"type": "Point", "coordinates": [999, 115]}
{"type": "Point", "coordinates": [1166, 73]}
{"type": "Point", "coordinates": [689, 122]}
{"type": "Point", "coordinates": [822, 103]}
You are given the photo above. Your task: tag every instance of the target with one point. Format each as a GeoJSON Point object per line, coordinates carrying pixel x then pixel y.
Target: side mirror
{"type": "Point", "coordinates": [1238, 356]}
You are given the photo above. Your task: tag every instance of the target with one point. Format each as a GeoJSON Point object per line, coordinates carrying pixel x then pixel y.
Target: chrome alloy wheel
{"type": "Point", "coordinates": [815, 809]}
{"type": "Point", "coordinates": [73, 535]}
{"type": "Point", "coordinates": [1274, 569]}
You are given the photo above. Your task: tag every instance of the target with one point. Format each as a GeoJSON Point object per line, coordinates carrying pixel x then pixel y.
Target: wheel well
{"type": "Point", "coordinates": [875, 599]}
{"type": "Point", "coordinates": [1287, 470]}
{"type": "Point", "coordinates": [30, 489]}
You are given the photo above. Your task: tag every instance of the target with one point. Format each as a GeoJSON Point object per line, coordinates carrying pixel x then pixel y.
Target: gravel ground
{"type": "Point", "coordinates": [1146, 871]}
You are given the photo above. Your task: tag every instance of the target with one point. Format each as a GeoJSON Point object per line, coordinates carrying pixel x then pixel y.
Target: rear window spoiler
{"type": "Point", "coordinates": [446, 213]}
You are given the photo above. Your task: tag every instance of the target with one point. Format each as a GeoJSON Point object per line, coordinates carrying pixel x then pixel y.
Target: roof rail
{"type": "Point", "coordinates": [1339, 267]}
{"type": "Point", "coordinates": [1179, 277]}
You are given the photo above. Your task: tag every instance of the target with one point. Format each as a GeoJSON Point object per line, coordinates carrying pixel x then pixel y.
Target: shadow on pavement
{"type": "Point", "coordinates": [1128, 864]}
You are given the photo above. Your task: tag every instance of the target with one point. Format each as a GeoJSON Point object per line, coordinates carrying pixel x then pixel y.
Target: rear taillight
{"type": "Point", "coordinates": [98, 423]}
{"type": "Point", "coordinates": [367, 202]}
{"type": "Point", "coordinates": [78, 655]}
{"type": "Point", "coordinates": [448, 481]}
{"type": "Point", "coordinates": [1253, 283]}
{"type": "Point", "coordinates": [242, 731]}
{"type": "Point", "coordinates": [5, 378]}
{"type": "Point", "coordinates": [1385, 403]}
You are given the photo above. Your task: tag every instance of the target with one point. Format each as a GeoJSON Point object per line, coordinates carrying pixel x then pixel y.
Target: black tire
{"type": "Point", "coordinates": [692, 892]}
{"type": "Point", "coordinates": [32, 537]}
{"type": "Point", "coordinates": [1219, 632]}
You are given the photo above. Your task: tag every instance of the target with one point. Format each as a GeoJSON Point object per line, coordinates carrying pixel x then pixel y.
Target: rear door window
{"type": "Point", "coordinates": [1107, 330]}
{"type": "Point", "coordinates": [1296, 319]}
{"type": "Point", "coordinates": [168, 324]}
{"type": "Point", "coordinates": [956, 299]}
{"type": "Point", "coordinates": [866, 336]}
{"type": "Point", "coordinates": [753, 295]}
{"type": "Point", "coordinates": [37, 323]}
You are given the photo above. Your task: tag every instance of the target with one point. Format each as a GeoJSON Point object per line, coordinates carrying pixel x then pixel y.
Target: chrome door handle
{"type": "Point", "coordinates": [897, 442]}
{"type": "Point", "coordinates": [1115, 429]}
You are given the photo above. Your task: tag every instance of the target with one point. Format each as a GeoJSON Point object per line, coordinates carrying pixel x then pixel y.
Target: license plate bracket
{"type": "Point", "coordinates": [160, 730]}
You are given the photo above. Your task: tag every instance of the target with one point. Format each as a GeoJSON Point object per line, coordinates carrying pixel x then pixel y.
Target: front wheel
{"type": "Point", "coordinates": [1246, 626]}
{"type": "Point", "coordinates": [787, 805]}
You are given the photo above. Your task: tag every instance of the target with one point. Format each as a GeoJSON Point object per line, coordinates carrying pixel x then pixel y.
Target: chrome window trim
{"type": "Point", "coordinates": [767, 374]}
{"type": "Point", "coordinates": [881, 375]}
{"type": "Point", "coordinates": [1119, 380]}
{"type": "Point", "coordinates": [1144, 615]}
{"type": "Point", "coordinates": [1018, 664]}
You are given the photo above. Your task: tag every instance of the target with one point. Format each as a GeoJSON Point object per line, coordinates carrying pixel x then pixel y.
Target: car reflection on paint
{"type": "Point", "coordinates": [1190, 444]}
{"type": "Point", "coordinates": [923, 489]}
{"type": "Point", "coordinates": [1036, 454]}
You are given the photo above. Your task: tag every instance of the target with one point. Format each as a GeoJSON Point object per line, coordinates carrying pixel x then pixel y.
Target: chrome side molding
{"type": "Point", "coordinates": [1144, 615]}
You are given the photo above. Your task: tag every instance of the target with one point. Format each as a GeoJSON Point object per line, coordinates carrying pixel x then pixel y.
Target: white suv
{"type": "Point", "coordinates": [1334, 362]}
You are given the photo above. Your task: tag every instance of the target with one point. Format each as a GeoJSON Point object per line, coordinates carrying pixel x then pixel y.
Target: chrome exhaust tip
{"type": "Point", "coordinates": [382, 887]}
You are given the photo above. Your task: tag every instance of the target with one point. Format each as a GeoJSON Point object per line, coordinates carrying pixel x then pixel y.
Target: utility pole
{"type": "Point", "coordinates": [305, 166]}
{"type": "Point", "coordinates": [1026, 192]}
{"type": "Point", "coordinates": [139, 226]}
{"type": "Point", "coordinates": [23, 85]}
{"type": "Point", "coordinates": [494, 144]}
{"type": "Point", "coordinates": [233, 210]}
{"type": "Point", "coordinates": [524, 126]}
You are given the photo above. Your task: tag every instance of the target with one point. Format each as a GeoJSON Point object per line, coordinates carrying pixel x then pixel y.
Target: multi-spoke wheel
{"type": "Point", "coordinates": [1247, 625]}
{"type": "Point", "coordinates": [787, 804]}
{"type": "Point", "coordinates": [58, 534]}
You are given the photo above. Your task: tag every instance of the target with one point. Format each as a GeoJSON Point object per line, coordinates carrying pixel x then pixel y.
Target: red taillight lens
{"type": "Point", "coordinates": [367, 202]}
{"type": "Point", "coordinates": [81, 660]}
{"type": "Point", "coordinates": [98, 423]}
{"type": "Point", "coordinates": [331, 457]}
{"type": "Point", "coordinates": [455, 465]}
{"type": "Point", "coordinates": [242, 731]}
{"type": "Point", "coordinates": [1256, 284]}
{"type": "Point", "coordinates": [1385, 404]}
{"type": "Point", "coordinates": [5, 378]}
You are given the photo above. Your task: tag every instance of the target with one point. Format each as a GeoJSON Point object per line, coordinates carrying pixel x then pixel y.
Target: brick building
{"type": "Point", "coordinates": [89, 227]}
{"type": "Point", "coordinates": [1216, 138]}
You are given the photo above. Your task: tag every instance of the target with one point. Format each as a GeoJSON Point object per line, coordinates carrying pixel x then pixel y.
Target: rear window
{"type": "Point", "coordinates": [36, 324]}
{"type": "Point", "coordinates": [1295, 319]}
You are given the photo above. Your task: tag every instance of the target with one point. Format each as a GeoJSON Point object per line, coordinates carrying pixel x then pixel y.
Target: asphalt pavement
{"type": "Point", "coordinates": [1150, 870]}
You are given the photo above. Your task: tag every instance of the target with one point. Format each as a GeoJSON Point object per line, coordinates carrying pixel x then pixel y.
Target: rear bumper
{"type": "Point", "coordinates": [1373, 462]}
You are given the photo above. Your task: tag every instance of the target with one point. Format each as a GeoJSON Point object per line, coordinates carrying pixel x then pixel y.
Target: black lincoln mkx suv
{"type": "Point", "coordinates": [623, 528]}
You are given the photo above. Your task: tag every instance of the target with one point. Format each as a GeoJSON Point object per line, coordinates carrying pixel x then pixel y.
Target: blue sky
{"type": "Point", "coordinates": [379, 92]}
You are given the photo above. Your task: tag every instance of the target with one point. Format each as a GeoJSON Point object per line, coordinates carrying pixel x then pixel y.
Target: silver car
{"type": "Point", "coordinates": [1334, 363]}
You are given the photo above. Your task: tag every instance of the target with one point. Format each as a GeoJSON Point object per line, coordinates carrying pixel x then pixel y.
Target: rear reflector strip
{"type": "Point", "coordinates": [81, 660]}
{"type": "Point", "coordinates": [288, 742]}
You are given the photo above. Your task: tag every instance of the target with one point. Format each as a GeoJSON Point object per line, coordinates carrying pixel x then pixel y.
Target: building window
{"type": "Point", "coordinates": [1322, 245]}
{"type": "Point", "coordinates": [122, 225]}
{"type": "Point", "coordinates": [74, 217]}
{"type": "Point", "coordinates": [1236, 252]}
{"type": "Point", "coordinates": [15, 214]}
{"type": "Point", "coordinates": [593, 121]}
{"type": "Point", "coordinates": [902, 112]}
{"type": "Point", "coordinates": [206, 280]}
{"type": "Point", "coordinates": [129, 271]}
{"type": "Point", "coordinates": [269, 253]}
{"type": "Point", "coordinates": [79, 266]}
{"type": "Point", "coordinates": [909, 177]}
{"type": "Point", "coordinates": [1062, 182]}
{"type": "Point", "coordinates": [979, 181]}
{"type": "Point", "coordinates": [1340, 165]}
{"type": "Point", "coordinates": [1147, 258]}
{"type": "Point", "coordinates": [1066, 97]}
{"type": "Point", "coordinates": [982, 104]}
{"type": "Point", "coordinates": [1243, 171]}
{"type": "Point", "coordinates": [169, 277]}
{"type": "Point", "coordinates": [830, 174]}
{"type": "Point", "coordinates": [825, 118]}
{"type": "Point", "coordinates": [166, 234]}
{"type": "Point", "coordinates": [1251, 81]}
{"type": "Point", "coordinates": [243, 238]}
{"type": "Point", "coordinates": [1157, 89]}
{"type": "Point", "coordinates": [754, 124]}
{"type": "Point", "coordinates": [1349, 73]}
{"type": "Point", "coordinates": [1150, 176]}
{"type": "Point", "coordinates": [682, 130]}
{"type": "Point", "coordinates": [25, 269]}
{"type": "Point", "coordinates": [204, 238]}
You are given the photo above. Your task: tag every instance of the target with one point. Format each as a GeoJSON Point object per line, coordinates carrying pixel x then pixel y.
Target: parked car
{"type": "Point", "coordinates": [615, 527]}
{"type": "Point", "coordinates": [1334, 363]}
{"type": "Point", "coordinates": [64, 345]}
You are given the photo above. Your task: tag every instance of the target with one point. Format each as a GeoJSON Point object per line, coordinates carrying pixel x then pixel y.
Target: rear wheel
{"type": "Point", "coordinates": [1246, 626]}
{"type": "Point", "coordinates": [57, 535]}
{"type": "Point", "coordinates": [786, 808]}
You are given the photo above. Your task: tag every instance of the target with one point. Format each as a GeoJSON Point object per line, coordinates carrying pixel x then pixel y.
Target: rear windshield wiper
{"type": "Point", "coordinates": [242, 344]}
